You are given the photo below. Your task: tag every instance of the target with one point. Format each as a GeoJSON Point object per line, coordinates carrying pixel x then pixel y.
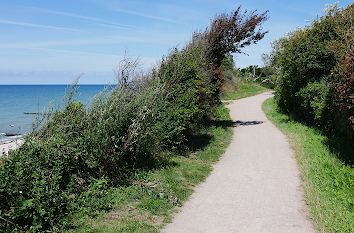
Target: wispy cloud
{"type": "Point", "coordinates": [109, 26]}
{"type": "Point", "coordinates": [71, 42]}
{"type": "Point", "coordinates": [67, 51]}
{"type": "Point", "coordinates": [25, 24]}
{"type": "Point", "coordinates": [145, 15]}
{"type": "Point", "coordinates": [103, 22]}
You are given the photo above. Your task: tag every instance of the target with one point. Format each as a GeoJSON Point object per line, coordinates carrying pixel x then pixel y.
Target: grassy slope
{"type": "Point", "coordinates": [325, 168]}
{"type": "Point", "coordinates": [245, 89]}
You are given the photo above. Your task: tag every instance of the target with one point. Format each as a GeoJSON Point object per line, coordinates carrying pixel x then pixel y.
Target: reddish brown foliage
{"type": "Point", "coordinates": [343, 84]}
{"type": "Point", "coordinates": [229, 33]}
{"type": "Point", "coordinates": [344, 92]}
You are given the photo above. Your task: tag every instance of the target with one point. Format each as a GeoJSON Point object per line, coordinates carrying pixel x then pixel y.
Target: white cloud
{"type": "Point", "coordinates": [97, 40]}
{"type": "Point", "coordinates": [110, 26]}
{"type": "Point", "coordinates": [88, 18]}
{"type": "Point", "coordinates": [25, 24]}
{"type": "Point", "coordinates": [146, 15]}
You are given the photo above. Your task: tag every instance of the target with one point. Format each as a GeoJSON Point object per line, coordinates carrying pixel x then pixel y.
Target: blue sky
{"type": "Point", "coordinates": [52, 42]}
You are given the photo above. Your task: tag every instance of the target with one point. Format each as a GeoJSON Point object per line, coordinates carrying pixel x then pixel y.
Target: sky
{"type": "Point", "coordinates": [53, 42]}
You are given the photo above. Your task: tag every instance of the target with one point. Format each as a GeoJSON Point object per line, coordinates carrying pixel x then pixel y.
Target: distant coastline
{"type": "Point", "coordinates": [18, 99]}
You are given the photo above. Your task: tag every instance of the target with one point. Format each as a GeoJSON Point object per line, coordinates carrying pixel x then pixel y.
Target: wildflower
{"type": "Point", "coordinates": [20, 192]}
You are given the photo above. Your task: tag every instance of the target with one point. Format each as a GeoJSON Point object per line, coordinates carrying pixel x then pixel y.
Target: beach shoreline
{"type": "Point", "coordinates": [11, 144]}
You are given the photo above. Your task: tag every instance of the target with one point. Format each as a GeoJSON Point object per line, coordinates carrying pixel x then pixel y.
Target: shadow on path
{"type": "Point", "coordinates": [200, 141]}
{"type": "Point", "coordinates": [235, 123]}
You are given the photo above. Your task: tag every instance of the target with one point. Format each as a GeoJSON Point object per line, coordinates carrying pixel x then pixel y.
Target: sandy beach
{"type": "Point", "coordinates": [6, 146]}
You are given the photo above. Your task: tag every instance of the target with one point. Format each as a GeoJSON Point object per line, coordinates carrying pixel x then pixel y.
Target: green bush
{"type": "Point", "coordinates": [304, 58]}
{"type": "Point", "coordinates": [316, 75]}
{"type": "Point", "coordinates": [315, 102]}
{"type": "Point", "coordinates": [96, 198]}
{"type": "Point", "coordinates": [31, 187]}
{"type": "Point", "coordinates": [188, 96]}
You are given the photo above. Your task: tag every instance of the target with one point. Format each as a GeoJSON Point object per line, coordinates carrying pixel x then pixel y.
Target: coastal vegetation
{"type": "Point", "coordinates": [86, 160]}
{"type": "Point", "coordinates": [150, 201]}
{"type": "Point", "coordinates": [315, 80]}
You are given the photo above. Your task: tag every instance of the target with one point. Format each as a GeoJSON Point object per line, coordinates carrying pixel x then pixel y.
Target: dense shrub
{"type": "Point", "coordinates": [314, 102]}
{"type": "Point", "coordinates": [304, 58]}
{"type": "Point", "coordinates": [343, 75]}
{"type": "Point", "coordinates": [188, 93]}
{"type": "Point", "coordinates": [33, 188]}
{"type": "Point", "coordinates": [74, 151]}
{"type": "Point", "coordinates": [316, 74]}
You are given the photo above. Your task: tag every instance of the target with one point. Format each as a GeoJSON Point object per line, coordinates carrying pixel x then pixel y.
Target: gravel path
{"type": "Point", "coordinates": [255, 187]}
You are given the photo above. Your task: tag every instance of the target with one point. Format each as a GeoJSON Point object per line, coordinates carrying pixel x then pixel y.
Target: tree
{"type": "Point", "coordinates": [229, 33]}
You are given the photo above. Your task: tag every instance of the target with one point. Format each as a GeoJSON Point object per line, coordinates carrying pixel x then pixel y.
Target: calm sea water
{"type": "Point", "coordinates": [17, 99]}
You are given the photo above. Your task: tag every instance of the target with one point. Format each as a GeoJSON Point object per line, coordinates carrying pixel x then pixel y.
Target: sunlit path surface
{"type": "Point", "coordinates": [255, 187]}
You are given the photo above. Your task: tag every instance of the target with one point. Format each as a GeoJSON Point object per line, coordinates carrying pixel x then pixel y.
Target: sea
{"type": "Point", "coordinates": [16, 101]}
